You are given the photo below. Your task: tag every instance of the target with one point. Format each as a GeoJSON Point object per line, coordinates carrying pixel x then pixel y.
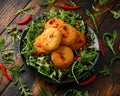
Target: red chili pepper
{"type": "Point", "coordinates": [64, 6]}
{"type": "Point", "coordinates": [5, 72]}
{"type": "Point", "coordinates": [119, 47]}
{"type": "Point", "coordinates": [101, 47]}
{"type": "Point", "coordinates": [88, 80]}
{"type": "Point", "coordinates": [26, 20]}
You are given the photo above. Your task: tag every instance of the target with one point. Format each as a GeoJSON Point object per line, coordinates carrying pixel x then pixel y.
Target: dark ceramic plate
{"type": "Point", "coordinates": [65, 80]}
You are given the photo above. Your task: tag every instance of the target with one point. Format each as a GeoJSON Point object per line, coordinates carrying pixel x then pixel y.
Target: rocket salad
{"type": "Point", "coordinates": [42, 63]}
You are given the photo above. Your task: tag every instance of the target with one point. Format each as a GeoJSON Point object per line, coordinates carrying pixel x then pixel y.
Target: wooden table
{"type": "Point", "coordinates": [103, 85]}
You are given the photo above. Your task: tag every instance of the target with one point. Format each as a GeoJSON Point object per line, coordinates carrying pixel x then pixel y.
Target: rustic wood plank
{"type": "Point", "coordinates": [35, 14]}
{"type": "Point", "coordinates": [109, 86]}
{"type": "Point", "coordinates": [3, 81]}
{"type": "Point", "coordinates": [17, 56]}
{"type": "Point", "coordinates": [48, 87]}
{"type": "Point", "coordinates": [13, 90]}
{"type": "Point", "coordinates": [100, 18]}
{"type": "Point", "coordinates": [8, 10]}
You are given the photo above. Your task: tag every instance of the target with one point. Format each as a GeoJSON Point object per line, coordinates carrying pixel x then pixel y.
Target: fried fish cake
{"type": "Point", "coordinates": [62, 56]}
{"type": "Point", "coordinates": [51, 38]}
{"type": "Point", "coordinates": [68, 34]}
{"type": "Point", "coordinates": [54, 23]}
{"type": "Point", "coordinates": [79, 42]}
{"type": "Point", "coordinates": [37, 45]}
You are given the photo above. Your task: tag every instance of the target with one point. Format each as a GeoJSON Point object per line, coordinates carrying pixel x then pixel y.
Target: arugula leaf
{"type": "Point", "coordinates": [114, 58]}
{"type": "Point", "coordinates": [24, 90]}
{"type": "Point", "coordinates": [70, 2]}
{"type": "Point", "coordinates": [46, 2]}
{"type": "Point", "coordinates": [72, 91]}
{"type": "Point", "coordinates": [15, 72]}
{"type": "Point", "coordinates": [109, 39]}
{"type": "Point", "coordinates": [42, 91]}
{"type": "Point", "coordinates": [14, 32]}
{"type": "Point", "coordinates": [101, 2]}
{"type": "Point", "coordinates": [95, 9]}
{"type": "Point", "coordinates": [76, 93]}
{"type": "Point", "coordinates": [24, 9]}
{"type": "Point", "coordinates": [105, 70]}
{"type": "Point", "coordinates": [87, 56]}
{"type": "Point", "coordinates": [51, 14]}
{"type": "Point", "coordinates": [116, 14]}
{"type": "Point", "coordinates": [93, 19]}
{"type": "Point", "coordinates": [2, 43]}
{"type": "Point", "coordinates": [6, 56]}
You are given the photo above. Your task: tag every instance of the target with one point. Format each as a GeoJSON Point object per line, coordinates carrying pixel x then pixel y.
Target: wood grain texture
{"type": "Point", "coordinates": [48, 87]}
{"type": "Point", "coordinates": [8, 8]}
{"type": "Point", "coordinates": [9, 45]}
{"type": "Point", "coordinates": [26, 77]}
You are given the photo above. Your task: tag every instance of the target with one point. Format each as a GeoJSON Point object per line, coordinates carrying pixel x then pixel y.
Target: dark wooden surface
{"type": "Point", "coordinates": [104, 85]}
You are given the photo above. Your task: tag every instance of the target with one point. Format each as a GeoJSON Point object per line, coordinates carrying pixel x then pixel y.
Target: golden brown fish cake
{"type": "Point", "coordinates": [54, 23]}
{"type": "Point", "coordinates": [51, 39]}
{"type": "Point", "coordinates": [62, 56]}
{"type": "Point", "coordinates": [37, 45]}
{"type": "Point", "coordinates": [79, 42]}
{"type": "Point", "coordinates": [68, 34]}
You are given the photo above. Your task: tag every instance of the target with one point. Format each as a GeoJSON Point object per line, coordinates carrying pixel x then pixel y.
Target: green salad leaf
{"type": "Point", "coordinates": [2, 42]}
{"type": "Point", "coordinates": [109, 39]}
{"type": "Point", "coordinates": [116, 14]}
{"type": "Point", "coordinates": [46, 2]}
{"type": "Point", "coordinates": [101, 2]}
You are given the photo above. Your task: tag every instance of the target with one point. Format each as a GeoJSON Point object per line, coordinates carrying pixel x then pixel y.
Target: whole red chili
{"type": "Point", "coordinates": [101, 47]}
{"type": "Point", "coordinates": [119, 47]}
{"type": "Point", "coordinates": [64, 6]}
{"type": "Point", "coordinates": [88, 80]}
{"type": "Point", "coordinates": [26, 20]}
{"type": "Point", "coordinates": [5, 72]}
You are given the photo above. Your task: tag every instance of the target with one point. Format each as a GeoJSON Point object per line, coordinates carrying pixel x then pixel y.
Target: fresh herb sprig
{"type": "Point", "coordinates": [14, 32]}
{"type": "Point", "coordinates": [2, 43]}
{"type": "Point", "coordinates": [24, 10]}
{"type": "Point", "coordinates": [15, 69]}
{"type": "Point", "coordinates": [6, 56]}
{"type": "Point", "coordinates": [70, 2]}
{"type": "Point", "coordinates": [101, 2]}
{"type": "Point", "coordinates": [105, 70]}
{"type": "Point", "coordinates": [5, 53]}
{"type": "Point", "coordinates": [114, 59]}
{"type": "Point", "coordinates": [45, 3]}
{"type": "Point", "coordinates": [24, 90]}
{"type": "Point", "coordinates": [93, 19]}
{"type": "Point", "coordinates": [99, 12]}
{"type": "Point", "coordinates": [109, 39]}
{"type": "Point", "coordinates": [116, 14]}
{"type": "Point", "coordinates": [76, 92]}
{"type": "Point", "coordinates": [68, 92]}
